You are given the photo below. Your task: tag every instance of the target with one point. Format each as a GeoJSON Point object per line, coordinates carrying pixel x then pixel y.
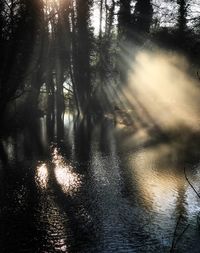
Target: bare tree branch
{"type": "Point", "coordinates": [190, 183]}
{"type": "Point", "coordinates": [177, 239]}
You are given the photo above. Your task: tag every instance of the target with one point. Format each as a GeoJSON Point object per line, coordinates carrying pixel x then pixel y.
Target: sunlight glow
{"type": "Point", "coordinates": [68, 180]}
{"type": "Point", "coordinates": [163, 96]}
{"type": "Point", "coordinates": [42, 175]}
{"type": "Point", "coordinates": [162, 185]}
{"type": "Point", "coordinates": [161, 84]}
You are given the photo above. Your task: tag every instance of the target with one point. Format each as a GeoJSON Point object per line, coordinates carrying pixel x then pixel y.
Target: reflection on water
{"type": "Point", "coordinates": [122, 193]}
{"type": "Point", "coordinates": [42, 175]}
{"type": "Point", "coordinates": [109, 185]}
{"type": "Point", "coordinates": [53, 225]}
{"type": "Point", "coordinates": [68, 180]}
{"type": "Point", "coordinates": [157, 178]}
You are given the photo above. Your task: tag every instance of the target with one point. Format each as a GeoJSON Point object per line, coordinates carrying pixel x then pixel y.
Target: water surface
{"type": "Point", "coordinates": [103, 187]}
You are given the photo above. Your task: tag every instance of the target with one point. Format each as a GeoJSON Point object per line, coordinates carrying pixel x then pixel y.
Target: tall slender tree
{"type": "Point", "coordinates": [142, 16]}
{"type": "Point", "coordinates": [124, 18]}
{"type": "Point", "coordinates": [182, 15]}
{"type": "Point", "coordinates": [82, 50]}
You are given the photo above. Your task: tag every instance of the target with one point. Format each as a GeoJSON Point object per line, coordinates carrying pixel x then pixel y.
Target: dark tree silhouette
{"type": "Point", "coordinates": [142, 16]}
{"type": "Point", "coordinates": [17, 43]}
{"type": "Point", "coordinates": [182, 15]}
{"type": "Point", "coordinates": [124, 18]}
{"type": "Point", "coordinates": [82, 49]}
{"type": "Point", "coordinates": [46, 44]}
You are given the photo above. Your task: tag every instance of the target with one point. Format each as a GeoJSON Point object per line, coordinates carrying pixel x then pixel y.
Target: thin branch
{"type": "Point", "coordinates": [70, 85]}
{"type": "Point", "coordinates": [174, 236]}
{"type": "Point", "coordinates": [191, 183]}
{"type": "Point", "coordinates": [70, 91]}
{"type": "Point", "coordinates": [176, 240]}
{"type": "Point", "coordinates": [181, 234]}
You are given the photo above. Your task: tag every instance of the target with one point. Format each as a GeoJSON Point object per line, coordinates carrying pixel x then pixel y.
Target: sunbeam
{"type": "Point", "coordinates": [162, 85]}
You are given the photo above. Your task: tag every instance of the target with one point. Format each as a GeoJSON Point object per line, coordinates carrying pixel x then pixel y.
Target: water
{"type": "Point", "coordinates": [99, 188]}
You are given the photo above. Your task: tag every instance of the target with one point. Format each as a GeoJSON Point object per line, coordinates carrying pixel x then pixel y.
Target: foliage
{"type": "Point", "coordinates": [51, 43]}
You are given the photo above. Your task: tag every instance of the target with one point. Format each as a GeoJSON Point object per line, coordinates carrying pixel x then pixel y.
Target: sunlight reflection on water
{"type": "Point", "coordinates": [68, 180]}
{"type": "Point", "coordinates": [65, 176]}
{"type": "Point", "coordinates": [54, 224]}
{"type": "Point", "coordinates": [162, 185]}
{"type": "Point", "coordinates": [42, 175]}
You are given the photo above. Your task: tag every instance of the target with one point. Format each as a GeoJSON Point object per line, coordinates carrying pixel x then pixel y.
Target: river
{"type": "Point", "coordinates": [103, 187]}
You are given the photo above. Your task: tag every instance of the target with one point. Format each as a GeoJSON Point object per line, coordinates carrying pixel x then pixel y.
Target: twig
{"type": "Point", "coordinates": [68, 90]}
{"type": "Point", "coordinates": [183, 232]}
{"type": "Point", "coordinates": [190, 183]}
{"type": "Point", "coordinates": [176, 240]}
{"type": "Point", "coordinates": [198, 195]}
{"type": "Point", "coordinates": [174, 236]}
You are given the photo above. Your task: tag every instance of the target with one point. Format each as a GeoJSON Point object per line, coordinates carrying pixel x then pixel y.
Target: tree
{"type": "Point", "coordinates": [19, 30]}
{"type": "Point", "coordinates": [142, 16]}
{"type": "Point", "coordinates": [182, 15]}
{"type": "Point", "coordinates": [81, 54]}
{"type": "Point", "coordinates": [124, 18]}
